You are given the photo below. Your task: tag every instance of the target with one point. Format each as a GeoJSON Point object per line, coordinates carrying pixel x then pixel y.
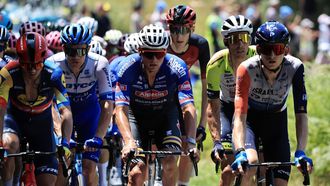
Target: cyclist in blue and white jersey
{"type": "Point", "coordinates": [84, 72]}
{"type": "Point", "coordinates": [150, 84]}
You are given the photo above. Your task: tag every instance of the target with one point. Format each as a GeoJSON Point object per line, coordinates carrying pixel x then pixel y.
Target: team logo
{"type": "Point", "coordinates": [185, 86]}
{"type": "Point", "coordinates": [151, 94]}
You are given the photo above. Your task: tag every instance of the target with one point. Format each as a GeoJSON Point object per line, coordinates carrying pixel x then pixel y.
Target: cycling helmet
{"type": "Point", "coordinates": [121, 42]}
{"type": "Point", "coordinates": [76, 34]}
{"type": "Point", "coordinates": [12, 41]}
{"type": "Point", "coordinates": [113, 36]}
{"type": "Point", "coordinates": [95, 47]}
{"type": "Point", "coordinates": [5, 21]}
{"type": "Point", "coordinates": [32, 26]}
{"type": "Point", "coordinates": [4, 34]}
{"type": "Point", "coordinates": [236, 24]}
{"type": "Point", "coordinates": [31, 47]}
{"type": "Point", "coordinates": [100, 40]}
{"type": "Point", "coordinates": [90, 22]}
{"type": "Point", "coordinates": [153, 37]}
{"type": "Point", "coordinates": [131, 44]}
{"type": "Point", "coordinates": [181, 15]}
{"type": "Point", "coordinates": [54, 40]}
{"type": "Point", "coordinates": [272, 32]}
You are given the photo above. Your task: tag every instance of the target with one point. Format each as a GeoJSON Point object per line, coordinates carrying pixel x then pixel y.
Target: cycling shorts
{"type": "Point", "coordinates": [272, 129]}
{"type": "Point", "coordinates": [164, 130]}
{"type": "Point", "coordinates": [226, 118]}
{"type": "Point", "coordinates": [38, 130]}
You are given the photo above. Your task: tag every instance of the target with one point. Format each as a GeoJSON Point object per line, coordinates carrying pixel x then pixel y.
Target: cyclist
{"type": "Point", "coordinates": [220, 75]}
{"type": "Point", "coordinates": [191, 48]}
{"type": "Point", "coordinates": [54, 41]}
{"type": "Point", "coordinates": [149, 86]}
{"type": "Point", "coordinates": [262, 87]}
{"type": "Point", "coordinates": [112, 37]}
{"type": "Point", "coordinates": [84, 71]}
{"type": "Point", "coordinates": [30, 84]}
{"type": "Point", "coordinates": [90, 23]}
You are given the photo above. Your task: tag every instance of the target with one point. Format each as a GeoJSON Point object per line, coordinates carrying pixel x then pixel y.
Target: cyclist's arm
{"type": "Point", "coordinates": [300, 105]}
{"type": "Point", "coordinates": [6, 83]}
{"type": "Point", "coordinates": [67, 122]}
{"type": "Point", "coordinates": [123, 123]}
{"type": "Point", "coordinates": [189, 117]}
{"type": "Point", "coordinates": [241, 106]}
{"type": "Point", "coordinates": [214, 118]}
{"type": "Point", "coordinates": [203, 118]}
{"type": "Point", "coordinates": [105, 118]}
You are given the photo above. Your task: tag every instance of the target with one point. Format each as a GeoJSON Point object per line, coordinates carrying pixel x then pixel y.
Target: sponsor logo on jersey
{"type": "Point", "coordinates": [79, 85]}
{"type": "Point", "coordinates": [125, 66]}
{"type": "Point", "coordinates": [175, 65]}
{"type": "Point", "coordinates": [151, 94]}
{"type": "Point", "coordinates": [263, 91]}
{"type": "Point", "coordinates": [185, 86]}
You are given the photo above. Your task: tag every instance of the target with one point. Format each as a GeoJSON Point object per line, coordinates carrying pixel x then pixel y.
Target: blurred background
{"type": "Point", "coordinates": [307, 20]}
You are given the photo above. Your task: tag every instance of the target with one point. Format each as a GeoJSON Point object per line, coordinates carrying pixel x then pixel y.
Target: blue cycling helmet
{"type": "Point", "coordinates": [76, 34]}
{"type": "Point", "coordinates": [272, 32]}
{"type": "Point", "coordinates": [5, 21]}
{"type": "Point", "coordinates": [4, 34]}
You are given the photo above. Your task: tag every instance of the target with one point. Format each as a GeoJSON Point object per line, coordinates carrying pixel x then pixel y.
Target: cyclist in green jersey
{"type": "Point", "coordinates": [220, 76]}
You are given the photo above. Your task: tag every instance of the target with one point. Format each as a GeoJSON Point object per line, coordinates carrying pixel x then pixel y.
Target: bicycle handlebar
{"type": "Point", "coordinates": [302, 162]}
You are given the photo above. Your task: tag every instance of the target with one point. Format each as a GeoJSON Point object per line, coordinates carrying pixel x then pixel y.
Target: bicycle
{"type": "Point", "coordinates": [73, 172]}
{"type": "Point", "coordinates": [270, 174]}
{"type": "Point", "coordinates": [28, 156]}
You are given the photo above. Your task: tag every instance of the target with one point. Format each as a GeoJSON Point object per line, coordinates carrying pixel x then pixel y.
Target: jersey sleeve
{"type": "Point", "coordinates": [58, 80]}
{"type": "Point", "coordinates": [6, 82]}
{"type": "Point", "coordinates": [204, 55]}
{"type": "Point", "coordinates": [123, 90]}
{"type": "Point", "coordinates": [213, 79]}
{"type": "Point", "coordinates": [299, 91]}
{"type": "Point", "coordinates": [243, 82]}
{"type": "Point", "coordinates": [185, 93]}
{"type": "Point", "coordinates": [103, 79]}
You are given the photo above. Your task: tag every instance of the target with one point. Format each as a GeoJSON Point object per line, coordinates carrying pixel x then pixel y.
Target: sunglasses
{"type": "Point", "coordinates": [28, 66]}
{"type": "Point", "coordinates": [150, 54]}
{"type": "Point", "coordinates": [180, 30]}
{"type": "Point", "coordinates": [244, 37]}
{"type": "Point", "coordinates": [266, 49]}
{"type": "Point", "coordinates": [72, 52]}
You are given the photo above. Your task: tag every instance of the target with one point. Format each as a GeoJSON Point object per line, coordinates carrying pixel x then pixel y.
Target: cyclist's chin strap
{"type": "Point", "coordinates": [272, 70]}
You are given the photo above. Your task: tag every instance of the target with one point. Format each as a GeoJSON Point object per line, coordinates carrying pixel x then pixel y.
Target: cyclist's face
{"type": "Point", "coordinates": [152, 59]}
{"type": "Point", "coordinates": [272, 55]}
{"type": "Point", "coordinates": [238, 44]}
{"type": "Point", "coordinates": [75, 55]}
{"type": "Point", "coordinates": [180, 35]}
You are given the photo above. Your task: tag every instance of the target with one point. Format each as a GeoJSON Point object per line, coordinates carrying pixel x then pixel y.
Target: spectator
{"type": "Point", "coordinates": [102, 17]}
{"type": "Point", "coordinates": [323, 55]}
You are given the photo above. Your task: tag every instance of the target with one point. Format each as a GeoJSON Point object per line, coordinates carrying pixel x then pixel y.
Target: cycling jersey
{"type": "Point", "coordinates": [114, 66]}
{"type": "Point", "coordinates": [95, 74]}
{"type": "Point", "coordinates": [171, 84]}
{"type": "Point", "coordinates": [254, 91]}
{"type": "Point", "coordinates": [13, 87]}
{"type": "Point", "coordinates": [220, 76]}
{"type": "Point", "coordinates": [198, 50]}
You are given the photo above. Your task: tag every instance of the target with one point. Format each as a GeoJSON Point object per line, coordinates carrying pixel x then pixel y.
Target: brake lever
{"type": "Point", "coordinates": [192, 158]}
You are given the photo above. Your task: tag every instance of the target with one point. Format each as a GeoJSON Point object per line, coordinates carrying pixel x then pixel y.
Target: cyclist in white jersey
{"type": "Point", "coordinates": [84, 71]}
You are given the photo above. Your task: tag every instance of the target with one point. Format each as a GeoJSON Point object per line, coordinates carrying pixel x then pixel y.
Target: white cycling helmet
{"type": "Point", "coordinates": [95, 47]}
{"type": "Point", "coordinates": [153, 37]}
{"type": "Point", "coordinates": [113, 36]}
{"type": "Point", "coordinates": [131, 44]}
{"type": "Point", "coordinates": [100, 40]}
{"type": "Point", "coordinates": [90, 22]}
{"type": "Point", "coordinates": [236, 24]}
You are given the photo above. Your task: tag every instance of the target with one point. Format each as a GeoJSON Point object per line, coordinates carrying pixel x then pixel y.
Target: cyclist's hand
{"type": "Point", "coordinates": [66, 148]}
{"type": "Point", "coordinates": [93, 144]}
{"type": "Point", "coordinates": [196, 153]}
{"type": "Point", "coordinates": [300, 155]}
{"type": "Point", "coordinates": [240, 163]}
{"type": "Point", "coordinates": [218, 152]}
{"type": "Point", "coordinates": [127, 148]}
{"type": "Point", "coordinates": [200, 134]}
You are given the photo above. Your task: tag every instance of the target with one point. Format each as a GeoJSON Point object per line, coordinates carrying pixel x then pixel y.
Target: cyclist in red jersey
{"type": "Point", "coordinates": [31, 84]}
{"type": "Point", "coordinates": [191, 48]}
{"type": "Point", "coordinates": [262, 87]}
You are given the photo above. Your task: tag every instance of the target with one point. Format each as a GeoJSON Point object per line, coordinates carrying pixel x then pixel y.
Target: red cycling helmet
{"type": "Point", "coordinates": [54, 40]}
{"type": "Point", "coordinates": [32, 26]}
{"type": "Point", "coordinates": [181, 15]}
{"type": "Point", "coordinates": [31, 48]}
